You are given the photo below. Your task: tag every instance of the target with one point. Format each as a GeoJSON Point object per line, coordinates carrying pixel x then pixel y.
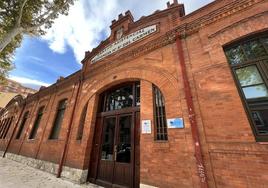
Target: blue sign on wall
{"type": "Point", "coordinates": [175, 123]}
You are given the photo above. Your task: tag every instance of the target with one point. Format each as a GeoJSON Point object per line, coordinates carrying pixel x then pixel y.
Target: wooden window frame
{"type": "Point", "coordinates": [160, 121]}
{"type": "Point", "coordinates": [259, 63]}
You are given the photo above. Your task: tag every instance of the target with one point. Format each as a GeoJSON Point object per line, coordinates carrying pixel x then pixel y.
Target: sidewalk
{"type": "Point", "coordinates": [14, 175]}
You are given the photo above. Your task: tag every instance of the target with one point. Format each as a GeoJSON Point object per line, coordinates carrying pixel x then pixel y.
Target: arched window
{"type": "Point", "coordinates": [2, 126]}
{"type": "Point", "coordinates": [23, 122]}
{"type": "Point", "coordinates": [2, 129]}
{"type": "Point", "coordinates": [54, 134]}
{"type": "Point", "coordinates": [249, 63]}
{"type": "Point", "coordinates": [36, 123]}
{"type": "Point", "coordinates": [159, 115]}
{"type": "Point", "coordinates": [8, 126]}
{"type": "Point", "coordinates": [123, 96]}
{"type": "Point", "coordinates": [82, 123]}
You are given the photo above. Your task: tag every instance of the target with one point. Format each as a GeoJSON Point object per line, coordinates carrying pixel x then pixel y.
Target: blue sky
{"type": "Point", "coordinates": [35, 61]}
{"type": "Point", "coordinates": [42, 60]}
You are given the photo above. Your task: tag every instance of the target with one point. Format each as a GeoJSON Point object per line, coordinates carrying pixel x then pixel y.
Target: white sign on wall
{"type": "Point", "coordinates": [124, 42]}
{"type": "Point", "coordinates": [175, 123]}
{"type": "Point", "coordinates": [146, 127]}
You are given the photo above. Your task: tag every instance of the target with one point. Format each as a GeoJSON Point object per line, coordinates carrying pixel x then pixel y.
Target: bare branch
{"type": "Point", "coordinates": [21, 11]}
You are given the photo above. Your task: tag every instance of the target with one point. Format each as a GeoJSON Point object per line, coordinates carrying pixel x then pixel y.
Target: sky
{"type": "Point", "coordinates": [40, 61]}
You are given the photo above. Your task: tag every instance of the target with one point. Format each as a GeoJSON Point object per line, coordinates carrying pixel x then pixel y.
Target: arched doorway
{"type": "Point", "coordinates": [115, 151]}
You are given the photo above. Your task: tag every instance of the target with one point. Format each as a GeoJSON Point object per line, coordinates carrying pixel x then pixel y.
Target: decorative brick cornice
{"type": "Point", "coordinates": [75, 77]}
{"type": "Point", "coordinates": [216, 15]}
{"type": "Point", "coordinates": [237, 23]}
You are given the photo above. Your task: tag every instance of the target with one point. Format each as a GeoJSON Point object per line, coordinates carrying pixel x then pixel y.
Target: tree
{"type": "Point", "coordinates": [20, 17]}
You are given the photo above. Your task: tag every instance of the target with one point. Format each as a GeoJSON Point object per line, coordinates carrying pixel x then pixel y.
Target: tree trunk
{"type": "Point", "coordinates": [7, 38]}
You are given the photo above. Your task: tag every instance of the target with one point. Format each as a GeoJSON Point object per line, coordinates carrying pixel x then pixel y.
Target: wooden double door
{"type": "Point", "coordinates": [115, 153]}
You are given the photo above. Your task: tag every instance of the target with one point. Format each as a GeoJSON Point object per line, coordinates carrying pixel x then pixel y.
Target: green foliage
{"type": "Point", "coordinates": [19, 17]}
{"type": "Point", "coordinates": [6, 60]}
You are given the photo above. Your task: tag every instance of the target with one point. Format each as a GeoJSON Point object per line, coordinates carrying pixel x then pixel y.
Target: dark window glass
{"type": "Point", "coordinates": [82, 123]}
{"type": "Point", "coordinates": [235, 55]}
{"type": "Point", "coordinates": [251, 75]}
{"type": "Point", "coordinates": [36, 123]}
{"type": "Point", "coordinates": [8, 126]}
{"type": "Point", "coordinates": [260, 119]}
{"type": "Point", "coordinates": [159, 115]}
{"type": "Point", "coordinates": [58, 120]}
{"type": "Point", "coordinates": [254, 49]}
{"type": "Point", "coordinates": [124, 145]}
{"type": "Point", "coordinates": [108, 138]}
{"type": "Point", "coordinates": [265, 43]}
{"type": "Point", "coordinates": [23, 122]}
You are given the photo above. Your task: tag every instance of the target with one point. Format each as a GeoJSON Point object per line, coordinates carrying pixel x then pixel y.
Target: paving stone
{"type": "Point", "coordinates": [14, 175]}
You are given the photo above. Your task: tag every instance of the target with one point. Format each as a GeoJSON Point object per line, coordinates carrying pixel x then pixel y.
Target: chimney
{"type": "Point", "coordinates": [168, 4]}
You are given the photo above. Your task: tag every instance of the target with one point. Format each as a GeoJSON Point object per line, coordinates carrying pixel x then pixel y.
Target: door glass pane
{"type": "Point", "coordinates": [255, 91]}
{"type": "Point", "coordinates": [254, 49]}
{"type": "Point", "coordinates": [235, 55]}
{"type": "Point", "coordinates": [108, 139]}
{"type": "Point", "coordinates": [249, 76]}
{"type": "Point", "coordinates": [261, 121]}
{"type": "Point", "coordinates": [124, 143]}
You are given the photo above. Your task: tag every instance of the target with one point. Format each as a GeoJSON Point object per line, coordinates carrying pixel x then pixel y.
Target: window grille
{"type": "Point", "coordinates": [3, 126]}
{"type": "Point", "coordinates": [159, 115]}
{"type": "Point", "coordinates": [8, 126]}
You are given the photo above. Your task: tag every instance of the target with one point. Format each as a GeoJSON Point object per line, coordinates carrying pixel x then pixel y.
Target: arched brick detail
{"type": "Point", "coordinates": [164, 80]}
{"type": "Point", "coordinates": [248, 27]}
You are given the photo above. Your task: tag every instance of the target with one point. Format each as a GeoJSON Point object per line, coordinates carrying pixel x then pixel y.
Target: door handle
{"type": "Point", "coordinates": [115, 152]}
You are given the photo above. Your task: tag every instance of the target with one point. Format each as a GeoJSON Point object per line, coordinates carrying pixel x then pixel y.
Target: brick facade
{"type": "Point", "coordinates": [14, 87]}
{"type": "Point", "coordinates": [231, 155]}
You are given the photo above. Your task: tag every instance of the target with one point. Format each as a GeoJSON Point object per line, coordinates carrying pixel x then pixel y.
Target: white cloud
{"type": "Point", "coordinates": [89, 20]}
{"type": "Point", "coordinates": [36, 58]}
{"type": "Point", "coordinates": [28, 81]}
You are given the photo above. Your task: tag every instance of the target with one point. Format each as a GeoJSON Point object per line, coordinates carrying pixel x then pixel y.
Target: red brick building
{"type": "Point", "coordinates": [15, 87]}
{"type": "Point", "coordinates": [170, 100]}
